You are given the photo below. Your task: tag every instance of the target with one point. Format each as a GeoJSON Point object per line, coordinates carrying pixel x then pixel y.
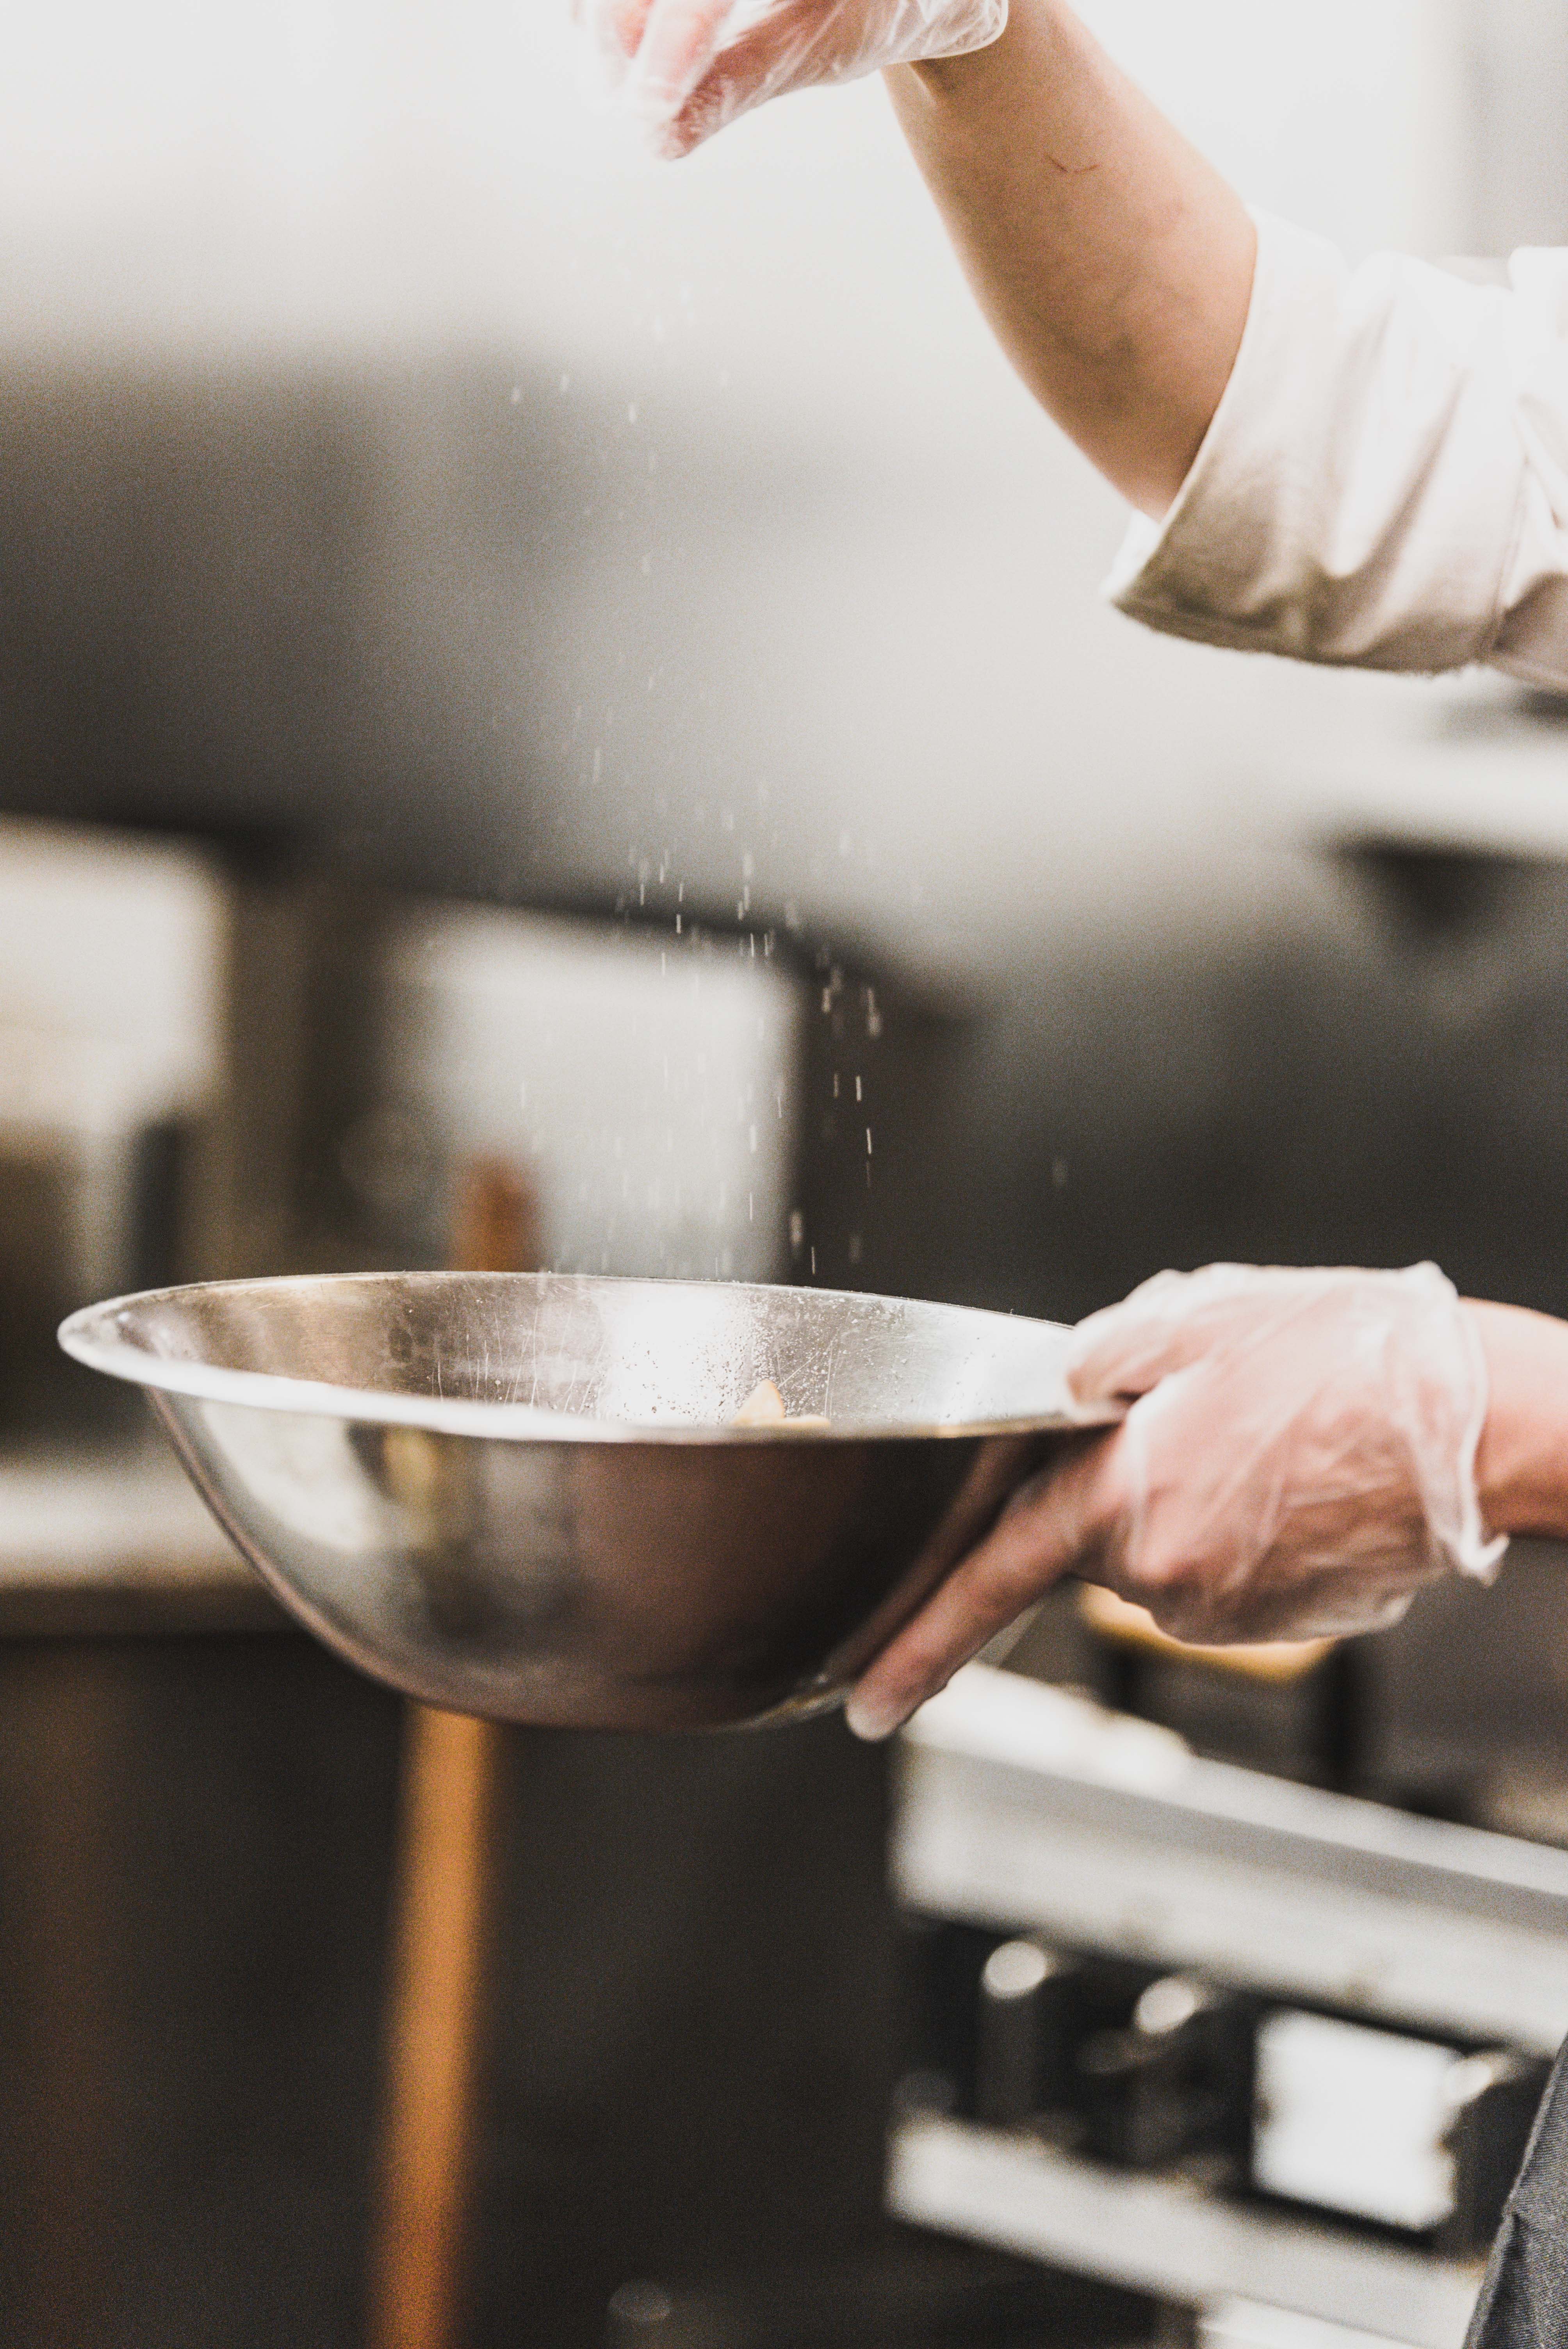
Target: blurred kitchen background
{"type": "Point", "coordinates": [529, 675]}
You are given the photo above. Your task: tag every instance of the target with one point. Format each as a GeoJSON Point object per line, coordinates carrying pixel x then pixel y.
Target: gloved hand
{"type": "Point", "coordinates": [1297, 1456]}
{"type": "Point", "coordinates": [685, 67]}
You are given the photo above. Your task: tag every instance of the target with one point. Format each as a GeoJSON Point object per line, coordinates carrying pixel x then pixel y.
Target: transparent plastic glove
{"type": "Point", "coordinates": [1297, 1456]}
{"type": "Point", "coordinates": [684, 68]}
{"type": "Point", "coordinates": [1300, 1446]}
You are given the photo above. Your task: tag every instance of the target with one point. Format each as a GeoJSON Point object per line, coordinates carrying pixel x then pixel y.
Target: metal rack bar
{"type": "Point", "coordinates": [1157, 2234]}
{"type": "Point", "coordinates": [1026, 1808]}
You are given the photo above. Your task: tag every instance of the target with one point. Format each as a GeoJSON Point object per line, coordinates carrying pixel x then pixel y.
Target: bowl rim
{"type": "Point", "coordinates": [84, 1336]}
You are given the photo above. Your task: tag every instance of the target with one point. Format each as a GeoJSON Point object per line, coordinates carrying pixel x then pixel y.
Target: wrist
{"type": "Point", "coordinates": [1522, 1461]}
{"type": "Point", "coordinates": [1031, 24]}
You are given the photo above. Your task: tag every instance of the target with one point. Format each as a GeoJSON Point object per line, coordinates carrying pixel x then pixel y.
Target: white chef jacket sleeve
{"type": "Point", "coordinates": [1385, 483]}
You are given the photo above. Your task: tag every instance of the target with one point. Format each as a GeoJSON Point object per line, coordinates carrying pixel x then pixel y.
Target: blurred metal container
{"type": "Point", "coordinates": [110, 954]}
{"type": "Point", "coordinates": [647, 1087]}
{"type": "Point", "coordinates": [88, 1140]}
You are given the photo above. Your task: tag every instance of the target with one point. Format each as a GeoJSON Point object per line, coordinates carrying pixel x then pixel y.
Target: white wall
{"type": "Point", "coordinates": [339, 163]}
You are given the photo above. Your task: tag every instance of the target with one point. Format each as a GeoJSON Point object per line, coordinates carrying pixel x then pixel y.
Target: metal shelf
{"type": "Point", "coordinates": [1026, 1808]}
{"type": "Point", "coordinates": [1023, 1808]}
{"type": "Point", "coordinates": [1156, 2234]}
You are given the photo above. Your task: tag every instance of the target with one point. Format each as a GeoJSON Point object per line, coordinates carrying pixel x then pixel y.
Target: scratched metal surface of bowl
{"type": "Point", "coordinates": [518, 1493]}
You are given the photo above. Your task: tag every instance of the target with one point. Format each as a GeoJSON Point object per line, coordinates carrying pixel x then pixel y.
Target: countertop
{"type": "Point", "coordinates": [99, 1538]}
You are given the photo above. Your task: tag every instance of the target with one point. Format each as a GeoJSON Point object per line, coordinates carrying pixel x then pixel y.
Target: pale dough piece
{"type": "Point", "coordinates": [764, 1407]}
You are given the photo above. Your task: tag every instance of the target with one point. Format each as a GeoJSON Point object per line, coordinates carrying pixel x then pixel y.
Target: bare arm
{"type": "Point", "coordinates": [1114, 264]}
{"type": "Point", "coordinates": [1522, 1468]}
{"type": "Point", "coordinates": [1118, 269]}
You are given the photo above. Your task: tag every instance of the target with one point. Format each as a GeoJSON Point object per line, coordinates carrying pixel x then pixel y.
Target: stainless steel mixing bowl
{"type": "Point", "coordinates": [517, 1494]}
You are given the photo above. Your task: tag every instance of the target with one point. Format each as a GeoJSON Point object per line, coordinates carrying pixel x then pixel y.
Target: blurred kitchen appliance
{"type": "Point", "coordinates": [111, 959]}
{"type": "Point", "coordinates": [1413, 2134]}
{"type": "Point", "coordinates": [1143, 2069]}
{"type": "Point", "coordinates": [220, 1056]}
{"type": "Point", "coordinates": [88, 1139]}
{"type": "Point", "coordinates": [156, 1014]}
{"type": "Point", "coordinates": [191, 960]}
{"type": "Point", "coordinates": [647, 1086]}
{"type": "Point", "coordinates": [1307, 2041]}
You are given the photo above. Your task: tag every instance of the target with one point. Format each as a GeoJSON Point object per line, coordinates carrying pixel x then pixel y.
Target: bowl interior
{"type": "Point", "coordinates": [599, 1355]}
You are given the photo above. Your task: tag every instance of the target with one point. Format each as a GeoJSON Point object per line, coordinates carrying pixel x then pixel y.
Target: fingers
{"type": "Point", "coordinates": [744, 69]}
{"type": "Point", "coordinates": [1052, 1525]}
{"type": "Point", "coordinates": [1175, 1320]}
{"type": "Point", "coordinates": [616, 26]}
{"type": "Point", "coordinates": [694, 65]}
{"type": "Point", "coordinates": [628, 23]}
{"type": "Point", "coordinates": [706, 110]}
{"type": "Point", "coordinates": [701, 64]}
{"type": "Point", "coordinates": [676, 44]}
{"type": "Point", "coordinates": [1119, 1353]}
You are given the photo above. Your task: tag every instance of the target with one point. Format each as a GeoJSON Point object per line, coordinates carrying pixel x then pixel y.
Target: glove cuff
{"type": "Point", "coordinates": [1466, 1543]}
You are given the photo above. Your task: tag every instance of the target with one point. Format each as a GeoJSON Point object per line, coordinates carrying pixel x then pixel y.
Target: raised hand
{"type": "Point", "coordinates": [686, 68]}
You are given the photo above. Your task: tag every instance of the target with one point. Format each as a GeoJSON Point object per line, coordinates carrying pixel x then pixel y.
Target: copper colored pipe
{"type": "Point", "coordinates": [443, 1898]}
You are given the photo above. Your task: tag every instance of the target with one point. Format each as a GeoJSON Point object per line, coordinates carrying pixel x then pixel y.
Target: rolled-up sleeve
{"type": "Point", "coordinates": [1385, 483]}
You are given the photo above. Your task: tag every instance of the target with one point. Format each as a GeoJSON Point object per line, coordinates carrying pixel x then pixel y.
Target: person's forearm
{"type": "Point", "coordinates": [1114, 264]}
{"type": "Point", "coordinates": [1522, 1467]}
